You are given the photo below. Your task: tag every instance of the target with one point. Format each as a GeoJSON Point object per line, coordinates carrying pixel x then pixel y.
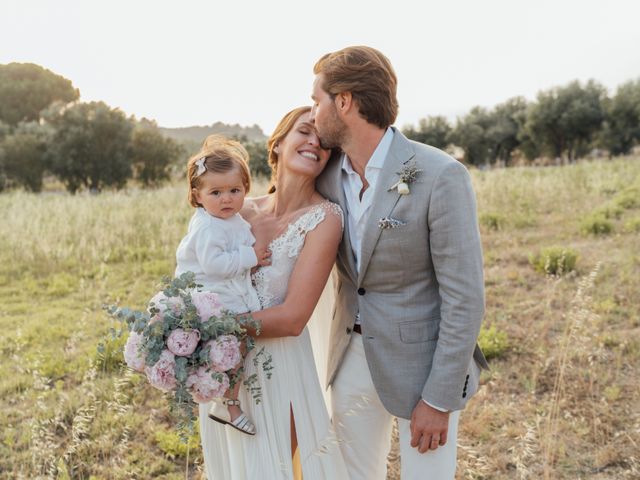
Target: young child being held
{"type": "Point", "coordinates": [218, 246]}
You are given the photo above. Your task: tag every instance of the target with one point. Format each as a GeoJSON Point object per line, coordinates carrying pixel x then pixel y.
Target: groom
{"type": "Point", "coordinates": [409, 287]}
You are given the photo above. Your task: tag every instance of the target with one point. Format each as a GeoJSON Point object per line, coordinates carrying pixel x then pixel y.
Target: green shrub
{"type": "Point", "coordinates": [628, 198]}
{"type": "Point", "coordinates": [492, 221]}
{"type": "Point", "coordinates": [632, 226]}
{"type": "Point", "coordinates": [109, 356]}
{"type": "Point", "coordinates": [494, 343]}
{"type": "Point", "coordinates": [596, 225]}
{"type": "Point", "coordinates": [554, 260]}
{"type": "Point", "coordinates": [612, 210]}
{"type": "Point", "coordinates": [173, 445]}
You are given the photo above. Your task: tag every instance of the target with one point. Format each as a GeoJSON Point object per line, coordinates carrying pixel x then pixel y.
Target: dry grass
{"type": "Point", "coordinates": [559, 402]}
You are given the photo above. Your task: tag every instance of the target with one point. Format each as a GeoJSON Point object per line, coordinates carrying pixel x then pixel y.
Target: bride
{"type": "Point", "coordinates": [294, 436]}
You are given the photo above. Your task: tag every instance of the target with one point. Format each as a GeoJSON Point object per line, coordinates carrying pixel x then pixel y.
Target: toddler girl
{"type": "Point", "coordinates": [218, 246]}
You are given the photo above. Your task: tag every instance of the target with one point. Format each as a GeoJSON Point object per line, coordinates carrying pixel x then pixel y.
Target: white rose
{"type": "Point", "coordinates": [403, 188]}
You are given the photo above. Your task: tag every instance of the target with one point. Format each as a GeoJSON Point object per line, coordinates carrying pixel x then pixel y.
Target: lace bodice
{"type": "Point", "coordinates": [272, 281]}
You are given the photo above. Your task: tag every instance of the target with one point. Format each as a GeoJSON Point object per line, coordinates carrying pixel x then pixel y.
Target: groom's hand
{"type": "Point", "coordinates": [429, 427]}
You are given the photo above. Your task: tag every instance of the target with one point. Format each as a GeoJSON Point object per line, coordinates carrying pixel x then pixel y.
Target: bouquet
{"type": "Point", "coordinates": [189, 346]}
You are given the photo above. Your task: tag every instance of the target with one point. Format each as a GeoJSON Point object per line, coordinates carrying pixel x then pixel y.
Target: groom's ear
{"type": "Point", "coordinates": [344, 102]}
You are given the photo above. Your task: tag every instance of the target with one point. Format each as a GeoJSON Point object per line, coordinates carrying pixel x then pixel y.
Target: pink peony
{"type": "Point", "coordinates": [162, 374]}
{"type": "Point", "coordinates": [224, 352]}
{"type": "Point", "coordinates": [206, 304]}
{"type": "Point", "coordinates": [183, 342]}
{"type": "Point", "coordinates": [164, 303]}
{"type": "Point", "coordinates": [132, 354]}
{"type": "Point", "coordinates": [204, 387]}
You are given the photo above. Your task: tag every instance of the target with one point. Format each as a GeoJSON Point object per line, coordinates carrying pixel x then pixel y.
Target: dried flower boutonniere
{"type": "Point", "coordinates": [408, 174]}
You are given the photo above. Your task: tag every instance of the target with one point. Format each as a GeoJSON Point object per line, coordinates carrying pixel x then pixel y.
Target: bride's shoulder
{"type": "Point", "coordinates": [325, 211]}
{"type": "Point", "coordinates": [330, 207]}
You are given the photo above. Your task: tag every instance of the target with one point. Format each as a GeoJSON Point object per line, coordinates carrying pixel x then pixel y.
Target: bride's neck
{"type": "Point", "coordinates": [292, 194]}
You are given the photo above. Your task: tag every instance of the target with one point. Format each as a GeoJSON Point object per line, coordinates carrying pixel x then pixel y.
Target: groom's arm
{"type": "Point", "coordinates": [456, 255]}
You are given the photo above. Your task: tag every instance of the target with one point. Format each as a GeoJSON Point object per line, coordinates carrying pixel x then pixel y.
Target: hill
{"type": "Point", "coordinates": [192, 137]}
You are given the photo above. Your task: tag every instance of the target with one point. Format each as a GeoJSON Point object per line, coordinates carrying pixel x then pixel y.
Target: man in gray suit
{"type": "Point", "coordinates": [409, 287]}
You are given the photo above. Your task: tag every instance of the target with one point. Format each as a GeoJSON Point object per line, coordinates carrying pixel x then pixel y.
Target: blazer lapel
{"type": "Point", "coordinates": [384, 201]}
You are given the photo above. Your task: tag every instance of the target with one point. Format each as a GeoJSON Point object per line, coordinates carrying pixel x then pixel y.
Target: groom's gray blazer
{"type": "Point", "coordinates": [419, 291]}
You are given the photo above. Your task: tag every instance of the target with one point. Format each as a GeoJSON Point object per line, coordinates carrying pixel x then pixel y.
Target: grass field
{"type": "Point", "coordinates": [559, 403]}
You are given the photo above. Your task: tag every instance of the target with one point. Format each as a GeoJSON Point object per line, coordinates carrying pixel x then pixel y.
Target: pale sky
{"type": "Point", "coordinates": [197, 62]}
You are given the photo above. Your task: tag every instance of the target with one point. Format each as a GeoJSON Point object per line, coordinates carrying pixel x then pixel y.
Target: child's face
{"type": "Point", "coordinates": [221, 194]}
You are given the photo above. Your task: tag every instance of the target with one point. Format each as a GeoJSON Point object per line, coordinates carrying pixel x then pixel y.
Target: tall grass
{"type": "Point", "coordinates": [559, 402]}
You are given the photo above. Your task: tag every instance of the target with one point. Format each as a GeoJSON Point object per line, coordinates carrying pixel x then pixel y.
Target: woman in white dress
{"type": "Point", "coordinates": [294, 436]}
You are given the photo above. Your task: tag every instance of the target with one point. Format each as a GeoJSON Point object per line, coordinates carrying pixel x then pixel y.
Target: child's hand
{"type": "Point", "coordinates": [263, 255]}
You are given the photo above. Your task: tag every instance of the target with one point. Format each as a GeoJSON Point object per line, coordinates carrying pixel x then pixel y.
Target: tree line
{"type": "Point", "coordinates": [45, 130]}
{"type": "Point", "coordinates": [564, 122]}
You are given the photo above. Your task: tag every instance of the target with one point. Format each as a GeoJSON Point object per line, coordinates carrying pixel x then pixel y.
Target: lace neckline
{"type": "Point", "coordinates": [294, 225]}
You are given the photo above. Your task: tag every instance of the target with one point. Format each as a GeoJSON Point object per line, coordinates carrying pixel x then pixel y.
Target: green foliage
{"type": "Point", "coordinates": [174, 445]}
{"type": "Point", "coordinates": [152, 154]}
{"type": "Point", "coordinates": [258, 158]}
{"type": "Point", "coordinates": [492, 221]}
{"type": "Point", "coordinates": [596, 224]}
{"type": "Point", "coordinates": [26, 89]}
{"type": "Point", "coordinates": [632, 225]}
{"type": "Point", "coordinates": [493, 342]}
{"type": "Point", "coordinates": [608, 211]}
{"type": "Point", "coordinates": [470, 134]}
{"type": "Point", "coordinates": [554, 260]}
{"type": "Point", "coordinates": [507, 120]}
{"type": "Point", "coordinates": [109, 352]}
{"type": "Point", "coordinates": [91, 146]}
{"type": "Point", "coordinates": [565, 119]}
{"type": "Point", "coordinates": [621, 128]}
{"type": "Point", "coordinates": [23, 156]}
{"type": "Point", "coordinates": [628, 198]}
{"type": "Point", "coordinates": [434, 131]}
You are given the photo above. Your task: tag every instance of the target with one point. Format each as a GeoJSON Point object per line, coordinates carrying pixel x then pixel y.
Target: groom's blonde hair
{"type": "Point", "coordinates": [368, 75]}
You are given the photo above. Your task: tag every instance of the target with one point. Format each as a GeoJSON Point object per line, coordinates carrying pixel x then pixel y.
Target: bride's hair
{"type": "Point", "coordinates": [282, 130]}
{"type": "Point", "coordinates": [219, 155]}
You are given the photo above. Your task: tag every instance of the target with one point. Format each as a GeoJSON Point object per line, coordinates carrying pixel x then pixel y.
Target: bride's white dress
{"type": "Point", "coordinates": [294, 385]}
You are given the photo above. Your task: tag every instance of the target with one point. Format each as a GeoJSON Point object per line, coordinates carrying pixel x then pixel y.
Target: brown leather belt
{"type": "Point", "coordinates": [357, 328]}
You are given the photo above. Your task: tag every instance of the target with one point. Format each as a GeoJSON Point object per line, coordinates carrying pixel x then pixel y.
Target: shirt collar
{"type": "Point", "coordinates": [379, 154]}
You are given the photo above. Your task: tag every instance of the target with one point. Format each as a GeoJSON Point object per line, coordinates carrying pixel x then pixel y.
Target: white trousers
{"type": "Point", "coordinates": [364, 428]}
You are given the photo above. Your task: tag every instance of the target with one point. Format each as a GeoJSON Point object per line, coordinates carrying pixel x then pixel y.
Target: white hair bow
{"type": "Point", "coordinates": [201, 167]}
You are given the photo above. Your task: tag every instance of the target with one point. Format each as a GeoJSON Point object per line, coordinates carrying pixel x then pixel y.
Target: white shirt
{"type": "Point", "coordinates": [220, 253]}
{"type": "Point", "coordinates": [358, 209]}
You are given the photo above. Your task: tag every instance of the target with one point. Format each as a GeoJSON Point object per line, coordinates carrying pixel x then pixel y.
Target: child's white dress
{"type": "Point", "coordinates": [220, 253]}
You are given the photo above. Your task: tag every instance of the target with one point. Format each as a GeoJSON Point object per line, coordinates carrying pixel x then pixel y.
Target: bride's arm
{"type": "Point", "coordinates": [306, 283]}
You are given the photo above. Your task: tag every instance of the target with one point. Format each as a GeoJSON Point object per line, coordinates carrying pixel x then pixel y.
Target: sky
{"type": "Point", "coordinates": [249, 62]}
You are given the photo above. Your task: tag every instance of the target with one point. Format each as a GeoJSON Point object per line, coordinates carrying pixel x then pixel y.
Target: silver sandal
{"type": "Point", "coordinates": [220, 414]}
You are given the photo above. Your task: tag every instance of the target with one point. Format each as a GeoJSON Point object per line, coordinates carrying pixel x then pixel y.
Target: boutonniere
{"type": "Point", "coordinates": [408, 174]}
{"type": "Point", "coordinates": [388, 222]}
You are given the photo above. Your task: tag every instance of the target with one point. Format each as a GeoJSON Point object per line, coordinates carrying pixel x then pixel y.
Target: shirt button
{"type": "Point", "coordinates": [361, 291]}
{"type": "Point", "coordinates": [348, 330]}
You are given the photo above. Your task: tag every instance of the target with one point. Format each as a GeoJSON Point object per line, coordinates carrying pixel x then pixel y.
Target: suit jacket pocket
{"type": "Point", "coordinates": [419, 331]}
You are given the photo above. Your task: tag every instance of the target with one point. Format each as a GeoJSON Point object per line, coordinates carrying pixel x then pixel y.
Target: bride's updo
{"type": "Point", "coordinates": [281, 131]}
